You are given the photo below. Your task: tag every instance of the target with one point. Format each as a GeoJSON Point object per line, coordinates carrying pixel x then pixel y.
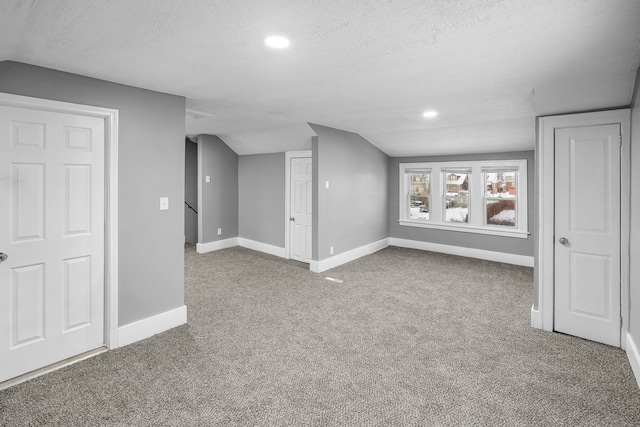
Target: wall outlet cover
{"type": "Point", "coordinates": [164, 203]}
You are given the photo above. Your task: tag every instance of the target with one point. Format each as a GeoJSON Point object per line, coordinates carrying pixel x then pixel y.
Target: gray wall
{"type": "Point", "coordinates": [151, 165]}
{"type": "Point", "coordinates": [190, 191]}
{"type": "Point", "coordinates": [468, 240]}
{"type": "Point", "coordinates": [261, 202]}
{"type": "Point", "coordinates": [353, 211]}
{"type": "Point", "coordinates": [218, 199]}
{"type": "Point", "coordinates": [634, 316]}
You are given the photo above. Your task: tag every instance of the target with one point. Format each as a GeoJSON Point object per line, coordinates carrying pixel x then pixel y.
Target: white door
{"type": "Point", "coordinates": [300, 215]}
{"type": "Point", "coordinates": [587, 232]}
{"type": "Point", "coordinates": [52, 229]}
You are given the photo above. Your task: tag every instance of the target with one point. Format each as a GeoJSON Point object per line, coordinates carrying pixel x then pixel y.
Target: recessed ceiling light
{"type": "Point", "coordinates": [276, 42]}
{"type": "Point", "coordinates": [430, 114]}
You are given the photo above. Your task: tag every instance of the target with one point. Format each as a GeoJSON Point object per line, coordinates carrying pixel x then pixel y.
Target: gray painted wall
{"type": "Point", "coordinates": [468, 240]}
{"type": "Point", "coordinates": [218, 199]}
{"type": "Point", "coordinates": [353, 212]}
{"type": "Point", "coordinates": [634, 315]}
{"type": "Point", "coordinates": [261, 201]}
{"type": "Point", "coordinates": [151, 165]}
{"type": "Point", "coordinates": [190, 191]}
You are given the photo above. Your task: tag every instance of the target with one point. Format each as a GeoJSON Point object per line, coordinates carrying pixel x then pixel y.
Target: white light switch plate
{"type": "Point", "coordinates": [164, 203]}
{"type": "Point", "coordinates": [207, 178]}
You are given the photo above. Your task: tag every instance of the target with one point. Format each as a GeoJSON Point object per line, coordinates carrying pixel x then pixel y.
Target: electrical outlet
{"type": "Point", "coordinates": [207, 178]}
{"type": "Point", "coordinates": [219, 231]}
{"type": "Point", "coordinates": [331, 250]}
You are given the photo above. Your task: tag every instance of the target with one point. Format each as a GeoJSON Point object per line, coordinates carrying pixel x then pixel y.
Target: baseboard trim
{"type": "Point", "coordinates": [536, 320]}
{"type": "Point", "coordinates": [262, 247]}
{"type": "Point", "coordinates": [203, 248]}
{"type": "Point", "coordinates": [634, 357]}
{"type": "Point", "coordinates": [345, 257]}
{"type": "Point", "coordinates": [145, 328]}
{"type": "Point", "coordinates": [526, 261]}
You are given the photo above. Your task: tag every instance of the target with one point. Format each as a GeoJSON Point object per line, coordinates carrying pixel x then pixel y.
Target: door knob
{"type": "Point", "coordinates": [292, 218]}
{"type": "Point", "coordinates": [563, 241]}
{"type": "Point", "coordinates": [3, 256]}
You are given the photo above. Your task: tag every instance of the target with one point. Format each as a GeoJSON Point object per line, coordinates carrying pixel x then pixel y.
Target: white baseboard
{"type": "Point", "coordinates": [262, 247]}
{"type": "Point", "coordinates": [526, 261]}
{"type": "Point", "coordinates": [203, 248]}
{"type": "Point", "coordinates": [150, 326]}
{"type": "Point", "coordinates": [345, 257]}
{"type": "Point", "coordinates": [536, 321]}
{"type": "Point", "coordinates": [634, 357]}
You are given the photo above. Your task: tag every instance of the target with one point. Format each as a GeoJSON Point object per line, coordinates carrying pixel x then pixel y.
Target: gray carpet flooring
{"type": "Point", "coordinates": [408, 338]}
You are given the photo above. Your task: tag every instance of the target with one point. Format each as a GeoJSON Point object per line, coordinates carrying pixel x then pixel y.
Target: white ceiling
{"type": "Point", "coordinates": [368, 66]}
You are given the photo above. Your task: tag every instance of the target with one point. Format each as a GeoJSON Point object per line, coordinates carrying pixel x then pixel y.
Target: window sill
{"type": "Point", "coordinates": [466, 229]}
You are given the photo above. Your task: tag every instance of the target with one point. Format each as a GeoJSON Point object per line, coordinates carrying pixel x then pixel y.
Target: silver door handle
{"type": "Point", "coordinates": [563, 241]}
{"type": "Point", "coordinates": [3, 257]}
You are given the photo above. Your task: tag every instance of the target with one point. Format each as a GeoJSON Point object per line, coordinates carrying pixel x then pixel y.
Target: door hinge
{"type": "Point", "coordinates": [620, 140]}
{"type": "Point", "coordinates": [621, 321]}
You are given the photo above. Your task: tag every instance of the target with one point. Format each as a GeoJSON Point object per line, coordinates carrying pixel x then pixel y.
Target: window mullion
{"type": "Point", "coordinates": [436, 195]}
{"type": "Point", "coordinates": [477, 200]}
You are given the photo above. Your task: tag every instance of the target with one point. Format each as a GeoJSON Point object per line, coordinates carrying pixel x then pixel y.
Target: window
{"type": "Point", "coordinates": [419, 194]}
{"type": "Point", "coordinates": [500, 200]}
{"type": "Point", "coordinates": [456, 195]}
{"type": "Point", "coordinates": [487, 197]}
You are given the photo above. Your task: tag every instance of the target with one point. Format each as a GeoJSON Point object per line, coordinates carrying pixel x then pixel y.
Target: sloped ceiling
{"type": "Point", "coordinates": [489, 67]}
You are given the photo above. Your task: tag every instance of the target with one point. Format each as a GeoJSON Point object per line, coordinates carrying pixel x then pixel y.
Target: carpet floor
{"type": "Point", "coordinates": [409, 338]}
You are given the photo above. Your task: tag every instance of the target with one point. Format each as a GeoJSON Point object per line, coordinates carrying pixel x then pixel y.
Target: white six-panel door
{"type": "Point", "coordinates": [587, 232]}
{"type": "Point", "coordinates": [300, 206]}
{"type": "Point", "coordinates": [52, 229]}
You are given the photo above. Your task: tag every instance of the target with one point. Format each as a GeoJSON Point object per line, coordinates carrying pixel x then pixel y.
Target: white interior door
{"type": "Point", "coordinates": [300, 206]}
{"type": "Point", "coordinates": [587, 232]}
{"type": "Point", "coordinates": [52, 229]}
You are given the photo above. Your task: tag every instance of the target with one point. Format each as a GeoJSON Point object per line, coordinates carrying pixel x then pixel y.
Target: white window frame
{"type": "Point", "coordinates": [477, 190]}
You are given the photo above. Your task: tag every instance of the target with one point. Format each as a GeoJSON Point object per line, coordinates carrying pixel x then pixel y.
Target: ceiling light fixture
{"type": "Point", "coordinates": [276, 42]}
{"type": "Point", "coordinates": [430, 114]}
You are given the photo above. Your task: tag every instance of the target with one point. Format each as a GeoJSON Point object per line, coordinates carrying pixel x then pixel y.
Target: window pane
{"type": "Point", "coordinates": [456, 199]}
{"type": "Point", "coordinates": [501, 198]}
{"type": "Point", "coordinates": [419, 192]}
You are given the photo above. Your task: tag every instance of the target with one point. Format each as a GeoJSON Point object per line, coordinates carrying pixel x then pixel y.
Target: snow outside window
{"type": "Point", "coordinates": [486, 197]}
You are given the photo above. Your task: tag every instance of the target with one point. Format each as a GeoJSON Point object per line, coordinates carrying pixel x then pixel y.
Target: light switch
{"type": "Point", "coordinates": [207, 178]}
{"type": "Point", "coordinates": [326, 184]}
{"type": "Point", "coordinates": [164, 203]}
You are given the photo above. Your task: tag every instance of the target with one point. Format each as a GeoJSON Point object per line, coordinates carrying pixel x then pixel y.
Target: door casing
{"type": "Point", "coordinates": [110, 117]}
{"type": "Point", "coordinates": [543, 308]}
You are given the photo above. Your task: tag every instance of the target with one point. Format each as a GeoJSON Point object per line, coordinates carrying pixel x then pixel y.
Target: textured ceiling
{"type": "Point", "coordinates": [368, 66]}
